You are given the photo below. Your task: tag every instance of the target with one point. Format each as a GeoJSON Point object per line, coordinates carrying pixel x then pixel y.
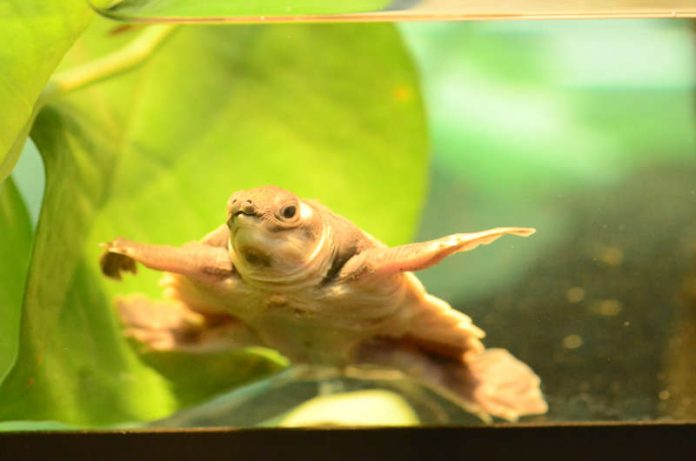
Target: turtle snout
{"type": "Point", "coordinates": [248, 207]}
{"type": "Point", "coordinates": [242, 206]}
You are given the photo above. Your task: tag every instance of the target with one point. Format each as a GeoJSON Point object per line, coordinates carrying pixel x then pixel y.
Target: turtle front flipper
{"type": "Point", "coordinates": [195, 260]}
{"type": "Point", "coordinates": [419, 256]}
{"type": "Point", "coordinates": [171, 325]}
{"type": "Point", "coordinates": [490, 383]}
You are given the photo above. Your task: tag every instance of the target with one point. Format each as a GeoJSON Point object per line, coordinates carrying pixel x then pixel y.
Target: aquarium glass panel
{"type": "Point", "coordinates": [382, 10]}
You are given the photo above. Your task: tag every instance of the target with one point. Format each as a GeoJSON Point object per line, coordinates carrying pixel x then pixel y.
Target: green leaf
{"type": "Point", "coordinates": [35, 34]}
{"type": "Point", "coordinates": [291, 106]}
{"type": "Point", "coordinates": [73, 365]}
{"type": "Point", "coordinates": [15, 426]}
{"type": "Point", "coordinates": [15, 248]}
{"type": "Point", "coordinates": [329, 112]}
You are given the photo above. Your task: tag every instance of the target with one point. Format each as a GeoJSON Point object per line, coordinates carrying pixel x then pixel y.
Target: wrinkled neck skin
{"type": "Point", "coordinates": [283, 260]}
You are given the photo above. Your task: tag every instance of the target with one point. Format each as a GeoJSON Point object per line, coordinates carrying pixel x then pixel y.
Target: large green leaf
{"type": "Point", "coordinates": [35, 34]}
{"type": "Point", "coordinates": [330, 112]}
{"type": "Point", "coordinates": [15, 248]}
{"type": "Point", "coordinates": [72, 363]}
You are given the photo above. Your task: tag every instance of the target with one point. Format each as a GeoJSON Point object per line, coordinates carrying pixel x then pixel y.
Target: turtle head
{"type": "Point", "coordinates": [273, 234]}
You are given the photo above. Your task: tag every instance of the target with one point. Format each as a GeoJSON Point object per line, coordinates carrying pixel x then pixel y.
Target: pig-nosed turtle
{"type": "Point", "coordinates": [289, 274]}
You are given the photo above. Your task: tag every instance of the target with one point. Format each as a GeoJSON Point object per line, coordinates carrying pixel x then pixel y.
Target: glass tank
{"type": "Point", "coordinates": [236, 11]}
{"type": "Point", "coordinates": [152, 278]}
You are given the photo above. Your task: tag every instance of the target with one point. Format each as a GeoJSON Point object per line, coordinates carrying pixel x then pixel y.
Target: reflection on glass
{"type": "Point", "coordinates": [383, 10]}
{"type": "Point", "coordinates": [316, 396]}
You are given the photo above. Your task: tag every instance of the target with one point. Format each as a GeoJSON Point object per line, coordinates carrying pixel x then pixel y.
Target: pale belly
{"type": "Point", "coordinates": [321, 325]}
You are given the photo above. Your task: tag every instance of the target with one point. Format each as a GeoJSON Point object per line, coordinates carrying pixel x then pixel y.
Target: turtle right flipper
{"type": "Point", "coordinates": [418, 256]}
{"type": "Point", "coordinates": [198, 261]}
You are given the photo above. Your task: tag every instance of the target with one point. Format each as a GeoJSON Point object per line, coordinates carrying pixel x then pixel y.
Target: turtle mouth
{"type": "Point", "coordinates": [241, 217]}
{"type": "Point", "coordinates": [245, 213]}
{"type": "Point", "coordinates": [247, 209]}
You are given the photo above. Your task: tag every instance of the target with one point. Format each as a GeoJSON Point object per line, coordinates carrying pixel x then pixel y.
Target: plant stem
{"type": "Point", "coordinates": [126, 59]}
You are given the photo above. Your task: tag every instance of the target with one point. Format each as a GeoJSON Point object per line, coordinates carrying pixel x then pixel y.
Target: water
{"type": "Point", "coordinates": [582, 129]}
{"type": "Point", "coordinates": [231, 11]}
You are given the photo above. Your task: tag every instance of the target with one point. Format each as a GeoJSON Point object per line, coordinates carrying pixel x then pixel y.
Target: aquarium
{"type": "Point", "coordinates": [125, 134]}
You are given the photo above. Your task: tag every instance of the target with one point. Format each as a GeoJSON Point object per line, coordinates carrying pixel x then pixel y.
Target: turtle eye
{"type": "Point", "coordinates": [288, 212]}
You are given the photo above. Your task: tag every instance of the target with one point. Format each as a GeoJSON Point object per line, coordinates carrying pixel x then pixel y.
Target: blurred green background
{"type": "Point", "coordinates": [584, 130]}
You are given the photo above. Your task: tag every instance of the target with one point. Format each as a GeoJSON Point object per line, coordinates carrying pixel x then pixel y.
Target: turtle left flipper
{"type": "Point", "coordinates": [196, 260]}
{"type": "Point", "coordinates": [419, 256]}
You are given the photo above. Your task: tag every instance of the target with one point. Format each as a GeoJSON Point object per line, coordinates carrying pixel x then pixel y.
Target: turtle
{"type": "Point", "coordinates": [289, 274]}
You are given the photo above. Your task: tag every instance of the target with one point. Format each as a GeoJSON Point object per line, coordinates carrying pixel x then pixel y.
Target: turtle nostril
{"type": "Point", "coordinates": [248, 208]}
{"type": "Point", "coordinates": [248, 201]}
